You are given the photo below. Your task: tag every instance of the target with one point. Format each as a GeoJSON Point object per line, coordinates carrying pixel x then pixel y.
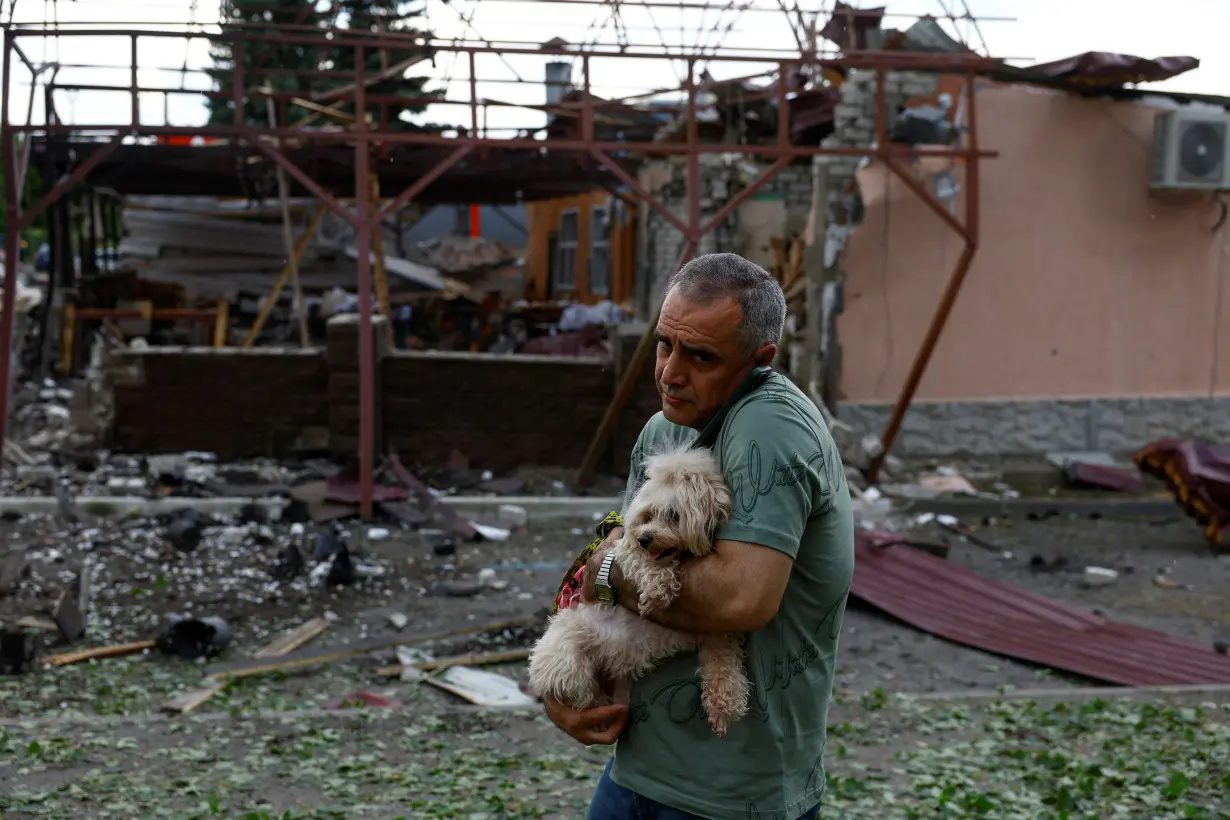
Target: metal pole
{"type": "Point", "coordinates": [136, 95]}
{"type": "Point", "coordinates": [363, 246]}
{"type": "Point", "coordinates": [947, 300]}
{"type": "Point", "coordinates": [693, 141]}
{"type": "Point", "coordinates": [11, 245]}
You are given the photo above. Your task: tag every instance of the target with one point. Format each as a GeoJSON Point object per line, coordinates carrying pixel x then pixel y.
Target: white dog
{"type": "Point", "coordinates": [676, 512]}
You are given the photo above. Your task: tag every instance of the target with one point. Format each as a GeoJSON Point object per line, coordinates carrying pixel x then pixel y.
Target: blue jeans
{"type": "Point", "coordinates": [613, 802]}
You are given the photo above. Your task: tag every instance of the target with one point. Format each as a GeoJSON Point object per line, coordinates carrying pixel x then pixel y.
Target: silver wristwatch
{"type": "Point", "coordinates": [602, 583]}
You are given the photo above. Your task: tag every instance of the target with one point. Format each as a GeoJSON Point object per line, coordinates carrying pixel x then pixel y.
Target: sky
{"type": "Point", "coordinates": [1022, 31]}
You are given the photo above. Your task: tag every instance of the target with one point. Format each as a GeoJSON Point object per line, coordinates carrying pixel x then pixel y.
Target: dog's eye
{"type": "Point", "coordinates": [672, 515]}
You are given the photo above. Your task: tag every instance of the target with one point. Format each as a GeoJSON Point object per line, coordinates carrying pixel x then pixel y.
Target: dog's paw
{"type": "Point", "coordinates": [725, 701]}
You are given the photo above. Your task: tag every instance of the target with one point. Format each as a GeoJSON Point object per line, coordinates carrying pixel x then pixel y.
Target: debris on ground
{"type": "Point", "coordinates": [191, 637]}
{"type": "Point", "coordinates": [191, 700]}
{"type": "Point", "coordinates": [1100, 576]}
{"type": "Point", "coordinates": [361, 700]}
{"type": "Point", "coordinates": [1084, 475]}
{"type": "Point", "coordinates": [480, 687]}
{"type": "Point", "coordinates": [18, 650]}
{"type": "Point", "coordinates": [1198, 476]}
{"type": "Point", "coordinates": [959, 605]}
{"type": "Point", "coordinates": [99, 653]}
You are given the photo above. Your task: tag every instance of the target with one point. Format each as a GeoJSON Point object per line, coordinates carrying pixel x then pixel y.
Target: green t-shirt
{"type": "Point", "coordinates": [790, 494]}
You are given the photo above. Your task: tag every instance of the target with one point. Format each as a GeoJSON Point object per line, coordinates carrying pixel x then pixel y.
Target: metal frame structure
{"type": "Point", "coordinates": [266, 141]}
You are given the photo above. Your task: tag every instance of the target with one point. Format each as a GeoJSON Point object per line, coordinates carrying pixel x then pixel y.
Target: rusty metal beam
{"type": "Point", "coordinates": [343, 38]}
{"type": "Point", "coordinates": [968, 232]}
{"type": "Point", "coordinates": [282, 161]}
{"type": "Point", "coordinates": [746, 193]}
{"type": "Point", "coordinates": [637, 189]}
{"type": "Point", "coordinates": [60, 188]}
{"type": "Point", "coordinates": [363, 246]}
{"type": "Point", "coordinates": [436, 140]}
{"type": "Point", "coordinates": [403, 199]}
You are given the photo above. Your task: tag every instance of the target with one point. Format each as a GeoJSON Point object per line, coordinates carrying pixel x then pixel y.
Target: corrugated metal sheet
{"type": "Point", "coordinates": [954, 603]}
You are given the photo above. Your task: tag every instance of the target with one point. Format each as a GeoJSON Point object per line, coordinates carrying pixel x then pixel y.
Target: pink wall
{"type": "Point", "coordinates": [1085, 284]}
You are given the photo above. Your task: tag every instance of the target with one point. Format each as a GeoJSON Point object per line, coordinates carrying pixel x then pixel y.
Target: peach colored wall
{"type": "Point", "coordinates": [1085, 283]}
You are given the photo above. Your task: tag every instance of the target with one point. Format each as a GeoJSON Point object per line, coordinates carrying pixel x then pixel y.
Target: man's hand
{"type": "Point", "coordinates": [599, 726]}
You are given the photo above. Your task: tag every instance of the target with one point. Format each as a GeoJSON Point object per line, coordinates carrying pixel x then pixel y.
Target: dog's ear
{"type": "Point", "coordinates": [704, 503]}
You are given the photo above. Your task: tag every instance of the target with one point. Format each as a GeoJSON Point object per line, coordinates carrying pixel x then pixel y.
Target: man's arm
{"type": "Point", "coordinates": [736, 589]}
{"type": "Point", "coordinates": [773, 461]}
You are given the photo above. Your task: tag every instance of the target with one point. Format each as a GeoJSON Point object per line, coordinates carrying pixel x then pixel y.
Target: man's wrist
{"type": "Point", "coordinates": [604, 583]}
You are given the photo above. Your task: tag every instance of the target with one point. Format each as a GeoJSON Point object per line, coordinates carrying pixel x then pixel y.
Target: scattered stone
{"type": "Point", "coordinates": [513, 516]}
{"type": "Point", "coordinates": [1100, 576]}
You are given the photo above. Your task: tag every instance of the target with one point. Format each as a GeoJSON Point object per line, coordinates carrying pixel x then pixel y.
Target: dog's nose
{"type": "Point", "coordinates": [645, 540]}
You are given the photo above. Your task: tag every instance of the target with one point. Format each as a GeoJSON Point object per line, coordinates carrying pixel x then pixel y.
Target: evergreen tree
{"type": "Point", "coordinates": [264, 16]}
{"type": "Point", "coordinates": [394, 17]}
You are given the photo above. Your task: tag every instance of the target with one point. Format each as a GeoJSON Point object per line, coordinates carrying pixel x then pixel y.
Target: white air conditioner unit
{"type": "Point", "coordinates": [1191, 150]}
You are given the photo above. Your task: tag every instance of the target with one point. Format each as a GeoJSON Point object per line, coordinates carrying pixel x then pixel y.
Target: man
{"type": "Point", "coordinates": [781, 573]}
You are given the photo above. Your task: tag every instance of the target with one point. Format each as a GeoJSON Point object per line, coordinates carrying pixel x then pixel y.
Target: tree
{"type": "Point", "coordinates": [263, 17]}
{"type": "Point", "coordinates": [271, 16]}
{"type": "Point", "coordinates": [394, 17]}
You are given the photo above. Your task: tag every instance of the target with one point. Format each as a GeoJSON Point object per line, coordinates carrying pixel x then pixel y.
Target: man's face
{"type": "Point", "coordinates": [700, 360]}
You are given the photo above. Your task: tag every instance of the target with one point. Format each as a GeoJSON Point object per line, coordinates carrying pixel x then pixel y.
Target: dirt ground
{"type": "Point", "coordinates": [87, 741]}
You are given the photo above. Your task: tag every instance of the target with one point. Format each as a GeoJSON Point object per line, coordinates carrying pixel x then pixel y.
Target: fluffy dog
{"type": "Point", "coordinates": [675, 514]}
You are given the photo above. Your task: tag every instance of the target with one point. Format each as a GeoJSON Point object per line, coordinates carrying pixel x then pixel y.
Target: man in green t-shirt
{"type": "Point", "coordinates": [780, 574]}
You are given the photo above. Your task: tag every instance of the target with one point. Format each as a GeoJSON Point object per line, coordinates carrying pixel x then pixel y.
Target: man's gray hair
{"type": "Point", "coordinates": [728, 275]}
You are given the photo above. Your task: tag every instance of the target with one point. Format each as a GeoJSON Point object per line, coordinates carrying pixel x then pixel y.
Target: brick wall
{"type": "Point", "coordinates": [230, 401]}
{"type": "Point", "coordinates": [500, 411]}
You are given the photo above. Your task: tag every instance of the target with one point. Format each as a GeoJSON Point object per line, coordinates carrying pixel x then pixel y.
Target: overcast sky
{"type": "Point", "coordinates": [1041, 30]}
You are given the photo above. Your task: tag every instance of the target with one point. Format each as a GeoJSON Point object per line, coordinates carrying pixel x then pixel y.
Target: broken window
{"type": "Point", "coordinates": [565, 273]}
{"type": "Point", "coordinates": [600, 251]}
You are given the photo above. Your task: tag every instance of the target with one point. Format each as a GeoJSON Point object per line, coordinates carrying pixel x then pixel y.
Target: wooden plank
{"type": "Point", "coordinates": [98, 653]}
{"type": "Point", "coordinates": [297, 637]}
{"type": "Point", "coordinates": [259, 666]}
{"type": "Point", "coordinates": [479, 659]}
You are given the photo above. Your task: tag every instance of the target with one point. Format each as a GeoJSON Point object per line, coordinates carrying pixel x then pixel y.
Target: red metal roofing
{"type": "Point", "coordinates": [1199, 477]}
{"type": "Point", "coordinates": [959, 605]}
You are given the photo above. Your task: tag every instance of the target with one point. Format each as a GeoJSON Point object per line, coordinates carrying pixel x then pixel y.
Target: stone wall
{"type": "Point", "coordinates": [854, 126]}
{"type": "Point", "coordinates": [1001, 428]}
